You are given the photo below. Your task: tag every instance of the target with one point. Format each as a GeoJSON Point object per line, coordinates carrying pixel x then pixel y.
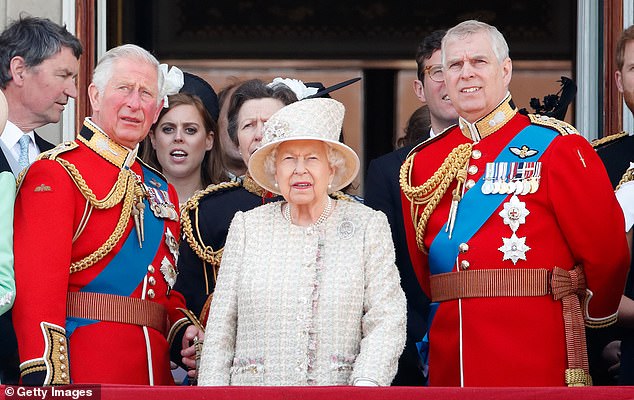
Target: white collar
{"type": "Point", "coordinates": [12, 134]}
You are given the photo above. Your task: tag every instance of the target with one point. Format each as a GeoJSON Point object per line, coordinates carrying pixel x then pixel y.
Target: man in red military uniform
{"type": "Point", "coordinates": [503, 232]}
{"type": "Point", "coordinates": [94, 301]}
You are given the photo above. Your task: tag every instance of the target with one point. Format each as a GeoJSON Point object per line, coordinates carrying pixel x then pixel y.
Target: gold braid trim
{"type": "Point", "coordinates": [204, 252]}
{"type": "Point", "coordinates": [607, 139]}
{"type": "Point", "coordinates": [431, 192]}
{"type": "Point", "coordinates": [628, 176]}
{"type": "Point", "coordinates": [124, 189]}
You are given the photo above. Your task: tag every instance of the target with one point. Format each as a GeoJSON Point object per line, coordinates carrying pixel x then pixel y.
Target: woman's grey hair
{"type": "Point", "coordinates": [466, 28]}
{"type": "Point", "coordinates": [35, 40]}
{"type": "Point", "coordinates": [336, 160]}
{"type": "Point", "coordinates": [103, 70]}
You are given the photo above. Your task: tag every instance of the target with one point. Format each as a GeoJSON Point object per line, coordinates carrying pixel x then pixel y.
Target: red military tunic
{"type": "Point", "coordinates": [56, 228]}
{"type": "Point", "coordinates": [572, 218]}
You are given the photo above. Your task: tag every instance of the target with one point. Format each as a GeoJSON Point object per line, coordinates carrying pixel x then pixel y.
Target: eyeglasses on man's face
{"type": "Point", "coordinates": [435, 72]}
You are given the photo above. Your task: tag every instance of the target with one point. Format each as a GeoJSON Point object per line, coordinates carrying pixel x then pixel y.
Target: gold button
{"type": "Point", "coordinates": [463, 247]}
{"type": "Point", "coordinates": [150, 293]}
{"type": "Point", "coordinates": [476, 154]}
{"type": "Point", "coordinates": [470, 183]}
{"type": "Point", "coordinates": [152, 281]}
{"type": "Point", "coordinates": [464, 264]}
{"type": "Point", "coordinates": [62, 349]}
{"type": "Point", "coordinates": [473, 169]}
{"type": "Point", "coordinates": [150, 269]}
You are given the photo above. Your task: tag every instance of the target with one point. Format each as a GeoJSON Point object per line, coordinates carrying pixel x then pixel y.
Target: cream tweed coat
{"type": "Point", "coordinates": [305, 305]}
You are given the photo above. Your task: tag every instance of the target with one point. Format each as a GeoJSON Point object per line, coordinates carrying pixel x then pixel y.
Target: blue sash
{"type": "Point", "coordinates": [128, 267]}
{"type": "Point", "coordinates": [474, 210]}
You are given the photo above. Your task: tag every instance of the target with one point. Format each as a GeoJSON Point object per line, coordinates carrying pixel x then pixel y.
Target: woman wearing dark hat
{"type": "Point", "coordinates": [205, 218]}
{"type": "Point", "coordinates": [182, 143]}
{"type": "Point", "coordinates": [308, 292]}
{"type": "Point", "coordinates": [7, 197]}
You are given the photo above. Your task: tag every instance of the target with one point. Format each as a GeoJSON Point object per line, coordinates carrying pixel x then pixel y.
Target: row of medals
{"type": "Point", "coordinates": [160, 203]}
{"type": "Point", "coordinates": [520, 178]}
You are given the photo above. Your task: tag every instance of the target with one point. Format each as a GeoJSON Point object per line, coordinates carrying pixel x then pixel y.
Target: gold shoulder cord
{"type": "Point", "coordinates": [431, 192]}
{"type": "Point", "coordinates": [120, 191]}
{"type": "Point", "coordinates": [628, 176]}
{"type": "Point", "coordinates": [206, 253]}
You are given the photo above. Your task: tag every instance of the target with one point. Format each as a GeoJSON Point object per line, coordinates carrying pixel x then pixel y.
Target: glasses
{"type": "Point", "coordinates": [435, 72]}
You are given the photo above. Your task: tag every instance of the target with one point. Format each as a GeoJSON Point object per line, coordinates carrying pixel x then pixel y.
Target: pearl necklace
{"type": "Point", "coordinates": [324, 214]}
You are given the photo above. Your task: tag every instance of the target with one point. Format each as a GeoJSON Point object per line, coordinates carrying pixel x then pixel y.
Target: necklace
{"type": "Point", "coordinates": [324, 214]}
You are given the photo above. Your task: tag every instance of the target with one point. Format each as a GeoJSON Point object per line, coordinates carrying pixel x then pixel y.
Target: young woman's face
{"type": "Point", "coordinates": [180, 141]}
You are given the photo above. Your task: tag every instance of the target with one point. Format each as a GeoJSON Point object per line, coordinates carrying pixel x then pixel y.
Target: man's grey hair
{"type": "Point", "coordinates": [466, 28]}
{"type": "Point", "coordinates": [35, 40]}
{"type": "Point", "coordinates": [103, 70]}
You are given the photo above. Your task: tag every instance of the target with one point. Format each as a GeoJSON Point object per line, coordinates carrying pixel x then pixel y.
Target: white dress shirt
{"type": "Point", "coordinates": [12, 134]}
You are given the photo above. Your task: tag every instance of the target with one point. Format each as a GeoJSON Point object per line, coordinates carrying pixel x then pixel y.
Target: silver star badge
{"type": "Point", "coordinates": [514, 213]}
{"type": "Point", "coordinates": [514, 248]}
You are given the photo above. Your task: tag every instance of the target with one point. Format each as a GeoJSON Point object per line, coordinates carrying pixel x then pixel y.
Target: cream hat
{"type": "Point", "coordinates": [311, 119]}
{"type": "Point", "coordinates": [4, 111]}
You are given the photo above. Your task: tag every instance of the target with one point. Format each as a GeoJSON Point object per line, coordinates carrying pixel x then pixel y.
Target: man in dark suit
{"type": "Point", "coordinates": [382, 192]}
{"type": "Point", "coordinates": [39, 61]}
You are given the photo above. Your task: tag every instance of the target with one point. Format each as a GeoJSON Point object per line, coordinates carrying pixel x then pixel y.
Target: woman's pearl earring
{"type": "Point", "coordinates": [276, 185]}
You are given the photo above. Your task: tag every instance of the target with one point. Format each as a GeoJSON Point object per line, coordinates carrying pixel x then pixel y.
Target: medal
{"type": "Point", "coordinates": [487, 186]}
{"type": "Point", "coordinates": [169, 272]}
{"type": "Point", "coordinates": [160, 204]}
{"type": "Point", "coordinates": [514, 213]}
{"type": "Point", "coordinates": [536, 177]}
{"type": "Point", "coordinates": [514, 248]}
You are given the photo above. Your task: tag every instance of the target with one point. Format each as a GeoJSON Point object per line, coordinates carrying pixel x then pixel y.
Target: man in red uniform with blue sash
{"type": "Point", "coordinates": [504, 232]}
{"type": "Point", "coordinates": [94, 301]}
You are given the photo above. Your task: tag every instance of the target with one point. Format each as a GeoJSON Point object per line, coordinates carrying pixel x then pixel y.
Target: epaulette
{"type": "Point", "coordinates": [608, 139]}
{"type": "Point", "coordinates": [53, 153]}
{"type": "Point", "coordinates": [339, 195]}
{"type": "Point", "coordinates": [426, 142]}
{"type": "Point", "coordinates": [562, 127]}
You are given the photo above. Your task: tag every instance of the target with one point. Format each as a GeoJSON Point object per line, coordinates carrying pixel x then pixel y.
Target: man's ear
{"type": "Point", "coordinates": [94, 96]}
{"type": "Point", "coordinates": [17, 66]}
{"type": "Point", "coordinates": [418, 90]}
{"type": "Point", "coordinates": [618, 78]}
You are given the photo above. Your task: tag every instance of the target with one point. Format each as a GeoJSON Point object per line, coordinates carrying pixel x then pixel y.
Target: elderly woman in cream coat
{"type": "Point", "coordinates": [308, 292]}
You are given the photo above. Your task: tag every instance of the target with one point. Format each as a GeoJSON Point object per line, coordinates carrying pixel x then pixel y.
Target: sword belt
{"type": "Point", "coordinates": [114, 308]}
{"type": "Point", "coordinates": [567, 286]}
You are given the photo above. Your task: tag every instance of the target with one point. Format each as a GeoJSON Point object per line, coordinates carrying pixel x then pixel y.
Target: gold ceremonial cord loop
{"type": "Point", "coordinates": [126, 188]}
{"type": "Point", "coordinates": [108, 245]}
{"type": "Point", "coordinates": [118, 192]}
{"type": "Point", "coordinates": [627, 177]}
{"type": "Point", "coordinates": [432, 191]}
{"type": "Point", "coordinates": [113, 198]}
{"type": "Point", "coordinates": [204, 252]}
